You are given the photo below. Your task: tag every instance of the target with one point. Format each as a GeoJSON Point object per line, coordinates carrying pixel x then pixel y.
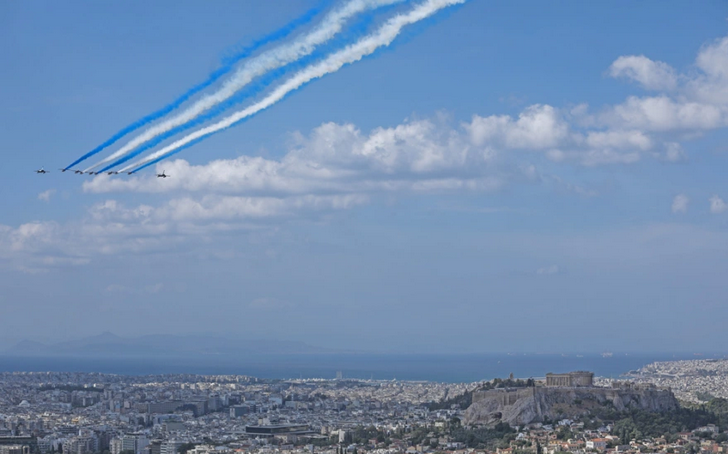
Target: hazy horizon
{"type": "Point", "coordinates": [285, 345]}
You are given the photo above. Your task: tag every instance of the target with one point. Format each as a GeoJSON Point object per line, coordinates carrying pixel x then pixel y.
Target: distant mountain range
{"type": "Point", "coordinates": [111, 345]}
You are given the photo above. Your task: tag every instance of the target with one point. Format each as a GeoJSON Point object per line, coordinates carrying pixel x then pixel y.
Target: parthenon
{"type": "Point", "coordinates": [571, 379]}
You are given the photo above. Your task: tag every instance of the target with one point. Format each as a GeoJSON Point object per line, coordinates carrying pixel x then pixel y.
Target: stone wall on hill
{"type": "Point", "coordinates": [521, 406]}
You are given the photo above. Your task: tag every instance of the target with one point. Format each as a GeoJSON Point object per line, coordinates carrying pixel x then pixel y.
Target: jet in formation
{"type": "Point", "coordinates": [41, 170]}
{"type": "Point", "coordinates": [110, 172]}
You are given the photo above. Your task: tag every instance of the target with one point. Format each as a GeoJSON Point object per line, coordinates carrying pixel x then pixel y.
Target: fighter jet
{"type": "Point", "coordinates": [78, 172]}
{"type": "Point", "coordinates": [63, 170]}
{"type": "Point", "coordinates": [111, 172]}
{"type": "Point", "coordinates": [163, 175]}
{"type": "Point", "coordinates": [41, 170]}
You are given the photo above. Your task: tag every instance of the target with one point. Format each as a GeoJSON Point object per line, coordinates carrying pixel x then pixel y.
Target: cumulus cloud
{"type": "Point", "coordinates": [537, 127]}
{"type": "Point", "coordinates": [680, 204]}
{"type": "Point", "coordinates": [423, 155]}
{"type": "Point", "coordinates": [652, 75]}
{"type": "Point", "coordinates": [619, 139]}
{"type": "Point", "coordinates": [415, 156]}
{"type": "Point", "coordinates": [231, 207]}
{"type": "Point", "coordinates": [695, 101]}
{"type": "Point", "coordinates": [717, 205]}
{"type": "Point", "coordinates": [711, 84]}
{"type": "Point", "coordinates": [662, 114]}
{"type": "Point", "coordinates": [46, 195]}
{"type": "Point", "coordinates": [38, 246]}
{"type": "Point", "coordinates": [111, 227]}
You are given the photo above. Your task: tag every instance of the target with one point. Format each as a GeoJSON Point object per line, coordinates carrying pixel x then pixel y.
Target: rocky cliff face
{"type": "Point", "coordinates": [521, 406]}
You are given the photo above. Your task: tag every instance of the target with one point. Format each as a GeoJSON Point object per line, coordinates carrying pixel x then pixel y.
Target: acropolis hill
{"type": "Point", "coordinates": [562, 396]}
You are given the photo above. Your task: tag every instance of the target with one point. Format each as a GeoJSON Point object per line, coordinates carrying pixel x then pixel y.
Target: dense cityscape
{"type": "Point", "coordinates": [692, 381]}
{"type": "Point", "coordinates": [87, 413]}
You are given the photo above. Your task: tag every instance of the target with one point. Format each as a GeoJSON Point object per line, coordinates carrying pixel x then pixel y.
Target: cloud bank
{"type": "Point", "coordinates": [338, 167]}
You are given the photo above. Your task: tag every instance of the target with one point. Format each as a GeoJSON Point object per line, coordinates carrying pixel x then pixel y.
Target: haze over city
{"type": "Point", "coordinates": [500, 177]}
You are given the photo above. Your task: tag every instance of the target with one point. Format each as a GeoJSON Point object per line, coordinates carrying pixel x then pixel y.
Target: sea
{"type": "Point", "coordinates": [423, 367]}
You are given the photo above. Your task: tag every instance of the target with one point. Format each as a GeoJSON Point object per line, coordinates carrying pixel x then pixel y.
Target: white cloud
{"type": "Point", "coordinates": [652, 75]}
{"type": "Point", "coordinates": [32, 235]}
{"type": "Point", "coordinates": [711, 86]}
{"type": "Point", "coordinates": [717, 205]}
{"type": "Point", "coordinates": [537, 127]}
{"type": "Point", "coordinates": [607, 156]}
{"type": "Point", "coordinates": [673, 152]}
{"type": "Point", "coordinates": [548, 270]}
{"type": "Point", "coordinates": [231, 207]}
{"type": "Point", "coordinates": [662, 114]}
{"type": "Point", "coordinates": [37, 246]}
{"type": "Point", "coordinates": [680, 204]}
{"type": "Point", "coordinates": [111, 227]}
{"type": "Point", "coordinates": [694, 101]}
{"type": "Point", "coordinates": [46, 195]}
{"type": "Point", "coordinates": [619, 139]}
{"type": "Point", "coordinates": [418, 155]}
{"type": "Point", "coordinates": [713, 58]}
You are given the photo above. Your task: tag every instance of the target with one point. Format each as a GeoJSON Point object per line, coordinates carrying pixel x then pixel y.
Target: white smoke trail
{"type": "Point", "coordinates": [330, 26]}
{"type": "Point", "coordinates": [353, 53]}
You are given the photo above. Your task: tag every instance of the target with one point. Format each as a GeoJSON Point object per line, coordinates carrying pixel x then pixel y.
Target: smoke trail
{"type": "Point", "coordinates": [351, 54]}
{"type": "Point", "coordinates": [330, 26]}
{"type": "Point", "coordinates": [354, 31]}
{"type": "Point", "coordinates": [228, 64]}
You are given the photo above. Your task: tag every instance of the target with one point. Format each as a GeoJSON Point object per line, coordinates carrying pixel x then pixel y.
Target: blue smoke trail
{"type": "Point", "coordinates": [200, 139]}
{"type": "Point", "coordinates": [428, 21]}
{"type": "Point", "coordinates": [250, 91]}
{"type": "Point", "coordinates": [353, 33]}
{"type": "Point", "coordinates": [242, 120]}
{"type": "Point", "coordinates": [227, 66]}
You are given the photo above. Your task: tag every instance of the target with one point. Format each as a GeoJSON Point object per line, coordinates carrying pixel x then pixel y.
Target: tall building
{"type": "Point", "coordinates": [81, 445]}
{"type": "Point", "coordinates": [200, 407]}
{"type": "Point", "coordinates": [214, 403]}
{"type": "Point", "coordinates": [170, 447]}
{"type": "Point", "coordinates": [164, 407]}
{"type": "Point", "coordinates": [155, 447]}
{"type": "Point", "coordinates": [45, 444]}
{"type": "Point", "coordinates": [115, 446]}
{"type": "Point", "coordinates": [237, 411]}
{"type": "Point", "coordinates": [129, 443]}
{"type": "Point", "coordinates": [14, 449]}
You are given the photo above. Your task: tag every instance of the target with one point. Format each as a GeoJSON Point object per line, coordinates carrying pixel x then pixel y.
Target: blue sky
{"type": "Point", "coordinates": [505, 176]}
